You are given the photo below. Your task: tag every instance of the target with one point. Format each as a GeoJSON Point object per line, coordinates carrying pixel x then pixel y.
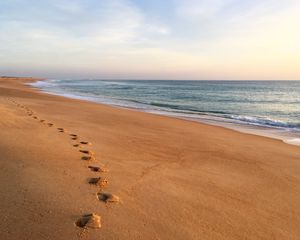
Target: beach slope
{"type": "Point", "coordinates": [147, 176]}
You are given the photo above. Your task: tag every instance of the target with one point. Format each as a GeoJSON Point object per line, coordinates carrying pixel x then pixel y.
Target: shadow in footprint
{"type": "Point", "coordinates": [88, 158]}
{"type": "Point", "coordinates": [100, 182]}
{"type": "Point", "coordinates": [89, 221]}
{"type": "Point", "coordinates": [98, 169]}
{"type": "Point", "coordinates": [61, 130]}
{"type": "Point", "coordinates": [87, 152]}
{"type": "Point", "coordinates": [108, 197]}
{"type": "Point", "coordinates": [85, 143]}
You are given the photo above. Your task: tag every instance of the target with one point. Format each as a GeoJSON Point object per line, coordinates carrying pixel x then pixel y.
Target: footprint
{"type": "Point", "coordinates": [76, 145]}
{"type": "Point", "coordinates": [100, 182]}
{"type": "Point", "coordinates": [108, 197]}
{"type": "Point", "coordinates": [98, 169]}
{"type": "Point", "coordinates": [85, 143]}
{"type": "Point", "coordinates": [50, 124]}
{"type": "Point", "coordinates": [89, 221]}
{"type": "Point", "coordinates": [61, 129]}
{"type": "Point", "coordinates": [74, 136]}
{"type": "Point", "coordinates": [88, 158]}
{"type": "Point", "coordinates": [42, 120]}
{"type": "Point", "coordinates": [87, 152]}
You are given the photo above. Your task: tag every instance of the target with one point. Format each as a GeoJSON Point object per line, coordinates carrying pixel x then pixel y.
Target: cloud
{"type": "Point", "coordinates": [194, 38]}
{"type": "Point", "coordinates": [66, 25]}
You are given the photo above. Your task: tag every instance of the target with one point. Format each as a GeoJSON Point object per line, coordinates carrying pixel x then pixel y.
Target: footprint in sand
{"type": "Point", "coordinates": [50, 124]}
{"type": "Point", "coordinates": [87, 152]}
{"type": "Point", "coordinates": [42, 120]}
{"type": "Point", "coordinates": [107, 197]}
{"type": "Point", "coordinates": [88, 158]}
{"type": "Point", "coordinates": [98, 169]}
{"type": "Point", "coordinates": [76, 145]}
{"type": "Point", "coordinates": [100, 182]}
{"type": "Point", "coordinates": [85, 143]}
{"type": "Point", "coordinates": [89, 221]}
{"type": "Point", "coordinates": [61, 129]}
{"type": "Point", "coordinates": [74, 136]}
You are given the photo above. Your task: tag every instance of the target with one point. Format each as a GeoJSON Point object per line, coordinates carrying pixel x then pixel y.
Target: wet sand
{"type": "Point", "coordinates": [145, 176]}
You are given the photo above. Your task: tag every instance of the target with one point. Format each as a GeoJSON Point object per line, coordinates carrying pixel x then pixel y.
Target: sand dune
{"type": "Point", "coordinates": [168, 178]}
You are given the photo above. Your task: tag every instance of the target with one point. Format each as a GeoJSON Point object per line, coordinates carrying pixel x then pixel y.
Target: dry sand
{"type": "Point", "coordinates": [174, 179]}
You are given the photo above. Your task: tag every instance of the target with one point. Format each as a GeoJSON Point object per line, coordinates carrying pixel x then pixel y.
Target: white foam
{"type": "Point", "coordinates": [40, 84]}
{"type": "Point", "coordinates": [294, 141]}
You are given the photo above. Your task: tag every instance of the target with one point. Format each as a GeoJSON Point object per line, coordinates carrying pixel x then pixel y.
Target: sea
{"type": "Point", "coordinates": [266, 108]}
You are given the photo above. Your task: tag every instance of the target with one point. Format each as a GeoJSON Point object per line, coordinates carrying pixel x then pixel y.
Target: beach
{"type": "Point", "coordinates": [173, 178]}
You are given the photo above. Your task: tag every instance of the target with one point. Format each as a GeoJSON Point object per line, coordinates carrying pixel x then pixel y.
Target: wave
{"type": "Point", "coordinates": [293, 141]}
{"type": "Point", "coordinates": [44, 84]}
{"type": "Point", "coordinates": [265, 122]}
{"type": "Point", "coordinates": [166, 108]}
{"type": "Point", "coordinates": [257, 121]}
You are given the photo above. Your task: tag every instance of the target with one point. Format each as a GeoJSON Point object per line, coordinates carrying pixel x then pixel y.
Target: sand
{"type": "Point", "coordinates": [173, 179]}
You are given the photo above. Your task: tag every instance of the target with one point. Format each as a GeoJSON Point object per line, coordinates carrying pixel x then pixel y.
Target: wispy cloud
{"type": "Point", "coordinates": [72, 31]}
{"type": "Point", "coordinates": [192, 38]}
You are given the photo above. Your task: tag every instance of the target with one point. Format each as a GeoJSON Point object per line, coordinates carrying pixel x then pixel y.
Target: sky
{"type": "Point", "coordinates": [151, 39]}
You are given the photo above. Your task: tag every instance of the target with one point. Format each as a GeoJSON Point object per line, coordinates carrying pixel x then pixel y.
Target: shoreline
{"type": "Point", "coordinates": [175, 179]}
{"type": "Point", "coordinates": [278, 133]}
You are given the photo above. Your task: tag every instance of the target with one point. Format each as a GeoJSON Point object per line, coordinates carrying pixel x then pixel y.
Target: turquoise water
{"type": "Point", "coordinates": [268, 104]}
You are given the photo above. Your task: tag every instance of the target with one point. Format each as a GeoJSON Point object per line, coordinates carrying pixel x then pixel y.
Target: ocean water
{"type": "Point", "coordinates": [268, 108]}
